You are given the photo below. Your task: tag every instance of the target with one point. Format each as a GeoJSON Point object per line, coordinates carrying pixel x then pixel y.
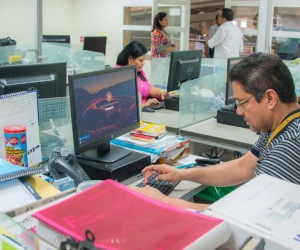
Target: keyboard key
{"type": "Point", "coordinates": [163, 186]}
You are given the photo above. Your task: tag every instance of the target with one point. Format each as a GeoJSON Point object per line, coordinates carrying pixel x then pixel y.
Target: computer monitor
{"type": "Point", "coordinates": [104, 105]}
{"type": "Point", "coordinates": [229, 98]}
{"type": "Point", "coordinates": [95, 43]}
{"type": "Point", "coordinates": [57, 39]}
{"type": "Point", "coordinates": [48, 78]}
{"type": "Point", "coordinates": [184, 66]}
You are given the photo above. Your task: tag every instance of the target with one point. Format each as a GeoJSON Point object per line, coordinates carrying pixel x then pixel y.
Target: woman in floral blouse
{"type": "Point", "coordinates": [160, 40]}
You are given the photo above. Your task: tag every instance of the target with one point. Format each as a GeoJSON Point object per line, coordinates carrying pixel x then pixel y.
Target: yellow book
{"type": "Point", "coordinates": [152, 129]}
{"type": "Point", "coordinates": [42, 187]}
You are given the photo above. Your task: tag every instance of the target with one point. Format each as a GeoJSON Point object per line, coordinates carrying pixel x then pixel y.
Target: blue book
{"type": "Point", "coordinates": [10, 171]}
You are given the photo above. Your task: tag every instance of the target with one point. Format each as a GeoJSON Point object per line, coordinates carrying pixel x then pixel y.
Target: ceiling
{"type": "Point", "coordinates": [206, 6]}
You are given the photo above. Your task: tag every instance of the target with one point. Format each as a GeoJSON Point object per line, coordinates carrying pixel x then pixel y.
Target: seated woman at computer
{"type": "Point", "coordinates": [161, 44]}
{"type": "Point", "coordinates": [134, 53]}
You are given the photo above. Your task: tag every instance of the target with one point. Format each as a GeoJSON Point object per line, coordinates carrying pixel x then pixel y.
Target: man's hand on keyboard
{"type": "Point", "coordinates": [165, 173]}
{"type": "Point", "coordinates": [151, 192]}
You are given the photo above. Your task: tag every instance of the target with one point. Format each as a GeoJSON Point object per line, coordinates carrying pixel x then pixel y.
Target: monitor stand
{"type": "Point", "coordinates": [172, 102]}
{"type": "Point", "coordinates": [105, 153]}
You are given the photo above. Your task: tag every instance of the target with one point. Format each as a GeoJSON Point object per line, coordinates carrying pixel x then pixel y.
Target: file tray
{"type": "Point", "coordinates": [175, 155]}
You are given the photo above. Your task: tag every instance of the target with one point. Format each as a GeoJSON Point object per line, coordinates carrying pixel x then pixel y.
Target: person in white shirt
{"type": "Point", "coordinates": [211, 31]}
{"type": "Point", "coordinates": [228, 40]}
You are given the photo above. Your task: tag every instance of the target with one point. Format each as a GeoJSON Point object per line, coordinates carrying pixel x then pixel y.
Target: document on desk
{"type": "Point", "coordinates": [22, 191]}
{"type": "Point", "coordinates": [267, 204]}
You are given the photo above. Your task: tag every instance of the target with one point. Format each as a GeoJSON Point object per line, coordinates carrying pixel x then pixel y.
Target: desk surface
{"type": "Point", "coordinates": [221, 135]}
{"type": "Point", "coordinates": [163, 116]}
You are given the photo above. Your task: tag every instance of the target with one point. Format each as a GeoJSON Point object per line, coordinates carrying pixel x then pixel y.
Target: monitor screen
{"type": "Point", "coordinates": [57, 39]}
{"type": "Point", "coordinates": [184, 66]}
{"type": "Point", "coordinates": [229, 98]}
{"type": "Point", "coordinates": [95, 43]}
{"type": "Point", "coordinates": [104, 105]}
{"type": "Point", "coordinates": [48, 78]}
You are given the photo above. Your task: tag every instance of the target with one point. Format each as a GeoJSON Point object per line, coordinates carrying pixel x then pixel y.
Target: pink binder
{"type": "Point", "coordinates": [121, 218]}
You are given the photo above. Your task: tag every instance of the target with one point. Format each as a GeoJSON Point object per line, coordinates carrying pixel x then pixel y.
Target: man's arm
{"type": "Point", "coordinates": [218, 38]}
{"type": "Point", "coordinates": [157, 195]}
{"type": "Point", "coordinates": [225, 174]}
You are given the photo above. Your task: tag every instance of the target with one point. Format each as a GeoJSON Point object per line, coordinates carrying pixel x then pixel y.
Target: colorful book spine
{"type": "Point", "coordinates": [151, 129]}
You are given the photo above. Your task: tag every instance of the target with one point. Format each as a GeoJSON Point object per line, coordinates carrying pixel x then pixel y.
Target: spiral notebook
{"type": "Point", "coordinates": [21, 108]}
{"type": "Point", "coordinates": [10, 171]}
{"type": "Point", "coordinates": [121, 218]}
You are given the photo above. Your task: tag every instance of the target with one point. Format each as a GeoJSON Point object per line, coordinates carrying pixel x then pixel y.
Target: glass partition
{"type": "Point", "coordinates": [58, 110]}
{"type": "Point", "coordinates": [78, 60]}
{"type": "Point", "coordinates": [201, 98]}
{"type": "Point", "coordinates": [160, 69]}
{"type": "Point", "coordinates": [160, 72]}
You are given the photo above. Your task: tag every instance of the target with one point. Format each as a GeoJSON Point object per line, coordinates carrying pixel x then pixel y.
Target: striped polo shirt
{"type": "Point", "coordinates": [281, 158]}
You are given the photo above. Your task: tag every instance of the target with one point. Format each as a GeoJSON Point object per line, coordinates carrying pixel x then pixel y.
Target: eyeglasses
{"type": "Point", "coordinates": [242, 103]}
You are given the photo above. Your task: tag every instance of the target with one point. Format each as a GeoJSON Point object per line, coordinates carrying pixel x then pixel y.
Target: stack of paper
{"type": "Point", "coordinates": [170, 145]}
{"type": "Point", "coordinates": [267, 207]}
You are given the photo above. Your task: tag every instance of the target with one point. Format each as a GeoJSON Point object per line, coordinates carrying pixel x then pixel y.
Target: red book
{"type": "Point", "coordinates": [121, 218]}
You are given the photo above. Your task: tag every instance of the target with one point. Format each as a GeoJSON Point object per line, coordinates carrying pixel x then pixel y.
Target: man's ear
{"type": "Point", "coordinates": [272, 97]}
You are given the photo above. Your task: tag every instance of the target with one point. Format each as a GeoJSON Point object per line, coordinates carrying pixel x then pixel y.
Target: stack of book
{"type": "Point", "coordinates": [148, 132]}
{"type": "Point", "coordinates": [153, 139]}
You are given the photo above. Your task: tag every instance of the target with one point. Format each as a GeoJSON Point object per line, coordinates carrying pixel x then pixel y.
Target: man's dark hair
{"type": "Point", "coordinates": [158, 17]}
{"type": "Point", "coordinates": [227, 14]}
{"type": "Point", "coordinates": [260, 71]}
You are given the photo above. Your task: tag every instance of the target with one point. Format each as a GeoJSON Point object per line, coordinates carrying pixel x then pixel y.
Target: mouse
{"type": "Point", "coordinates": [148, 109]}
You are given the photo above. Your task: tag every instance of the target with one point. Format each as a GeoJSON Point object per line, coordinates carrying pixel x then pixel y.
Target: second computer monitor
{"type": "Point", "coordinates": [95, 43]}
{"type": "Point", "coordinates": [184, 66]}
{"type": "Point", "coordinates": [229, 98]}
{"type": "Point", "coordinates": [104, 105]}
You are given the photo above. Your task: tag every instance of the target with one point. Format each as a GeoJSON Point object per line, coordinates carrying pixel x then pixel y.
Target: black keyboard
{"type": "Point", "coordinates": [159, 105]}
{"type": "Point", "coordinates": [163, 186]}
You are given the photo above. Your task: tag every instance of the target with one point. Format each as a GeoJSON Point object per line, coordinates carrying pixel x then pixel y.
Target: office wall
{"type": "Point", "coordinates": [97, 17]}
{"type": "Point", "coordinates": [18, 20]}
{"type": "Point", "coordinates": [74, 17]}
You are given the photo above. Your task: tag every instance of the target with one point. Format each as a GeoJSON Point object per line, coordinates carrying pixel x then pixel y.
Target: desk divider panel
{"type": "Point", "coordinates": [57, 109]}
{"type": "Point", "coordinates": [78, 60]}
{"type": "Point", "coordinates": [160, 72]}
{"type": "Point", "coordinates": [201, 98]}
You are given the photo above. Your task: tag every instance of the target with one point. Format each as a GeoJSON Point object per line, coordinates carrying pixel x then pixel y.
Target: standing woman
{"type": "Point", "coordinates": [160, 40]}
{"type": "Point", "coordinates": [134, 53]}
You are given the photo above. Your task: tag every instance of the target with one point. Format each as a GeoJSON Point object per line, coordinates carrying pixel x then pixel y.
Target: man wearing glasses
{"type": "Point", "coordinates": [265, 96]}
{"type": "Point", "coordinates": [228, 39]}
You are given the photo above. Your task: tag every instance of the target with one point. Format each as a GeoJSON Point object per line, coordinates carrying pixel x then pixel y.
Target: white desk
{"type": "Point", "coordinates": [207, 132]}
{"type": "Point", "coordinates": [169, 118]}
{"type": "Point", "coordinates": [210, 132]}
